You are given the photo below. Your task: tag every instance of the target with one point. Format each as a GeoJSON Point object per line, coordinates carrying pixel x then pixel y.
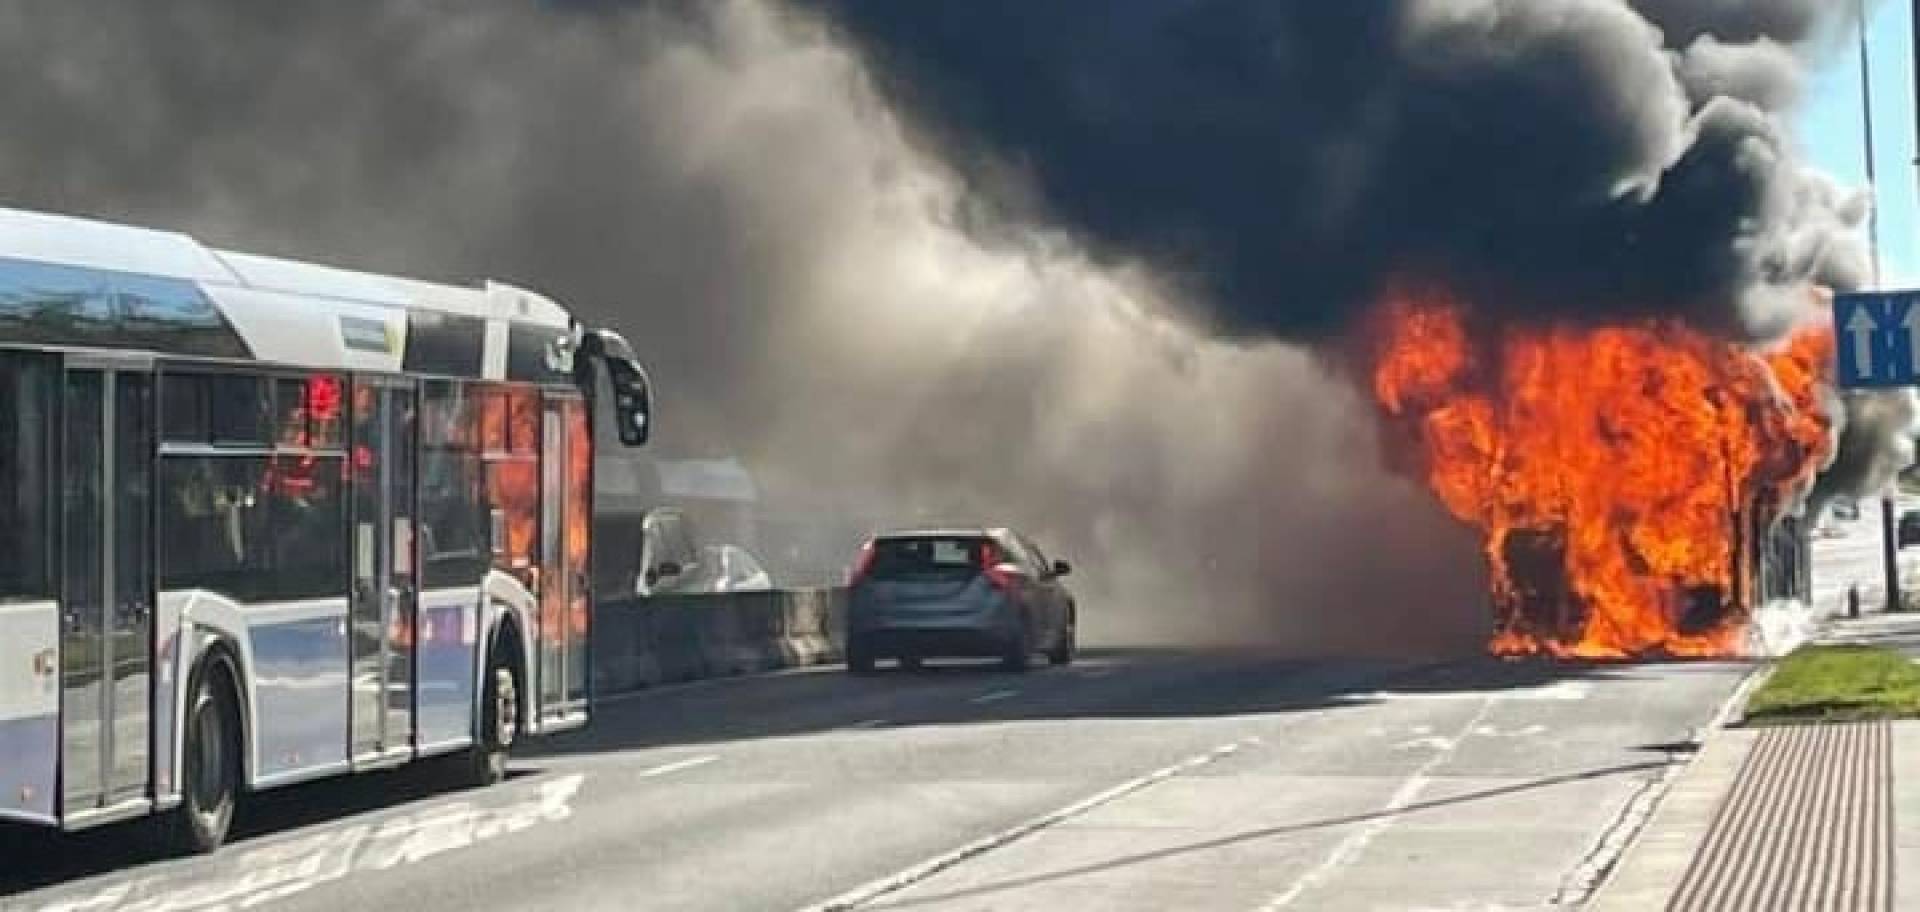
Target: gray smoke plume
{"type": "Point", "coordinates": [722, 182]}
{"type": "Point", "coordinates": [1876, 442]}
{"type": "Point", "coordinates": [1562, 160]}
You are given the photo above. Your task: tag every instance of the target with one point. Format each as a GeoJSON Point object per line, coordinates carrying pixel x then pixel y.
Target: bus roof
{"type": "Point", "coordinates": [76, 282]}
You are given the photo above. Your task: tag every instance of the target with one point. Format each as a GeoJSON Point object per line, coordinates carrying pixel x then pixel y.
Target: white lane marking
{"type": "Point", "coordinates": [678, 765]}
{"type": "Point", "coordinates": [1430, 742]}
{"type": "Point", "coordinates": [1494, 731]}
{"type": "Point", "coordinates": [1095, 672]}
{"type": "Point", "coordinates": [867, 893]}
{"type": "Point", "coordinates": [995, 696]}
{"type": "Point", "coordinates": [1562, 690]}
{"type": "Point", "coordinates": [1349, 849]}
{"type": "Point", "coordinates": [251, 877]}
{"type": "Point", "coordinates": [865, 724]}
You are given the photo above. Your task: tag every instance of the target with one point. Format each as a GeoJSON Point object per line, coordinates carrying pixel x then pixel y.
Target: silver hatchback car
{"type": "Point", "coordinates": [968, 593]}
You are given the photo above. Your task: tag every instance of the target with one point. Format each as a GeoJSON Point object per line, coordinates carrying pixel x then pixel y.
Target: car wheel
{"type": "Point", "coordinates": [210, 775]}
{"type": "Point", "coordinates": [1062, 652]}
{"type": "Point", "coordinates": [860, 659]}
{"type": "Point", "coordinates": [1019, 654]}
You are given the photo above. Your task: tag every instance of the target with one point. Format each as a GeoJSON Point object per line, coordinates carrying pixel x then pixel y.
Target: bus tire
{"type": "Point", "coordinates": [210, 768]}
{"type": "Point", "coordinates": [486, 762]}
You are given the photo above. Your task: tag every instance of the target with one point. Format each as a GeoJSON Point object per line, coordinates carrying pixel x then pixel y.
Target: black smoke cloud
{"type": "Point", "coordinates": [1555, 158]}
{"type": "Point", "coordinates": [720, 181]}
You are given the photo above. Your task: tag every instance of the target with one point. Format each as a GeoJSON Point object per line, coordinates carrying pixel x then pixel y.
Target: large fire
{"type": "Point", "coordinates": [1612, 471]}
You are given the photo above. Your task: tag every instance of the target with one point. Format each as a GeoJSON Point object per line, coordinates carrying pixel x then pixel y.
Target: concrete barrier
{"type": "Point", "coordinates": [641, 642]}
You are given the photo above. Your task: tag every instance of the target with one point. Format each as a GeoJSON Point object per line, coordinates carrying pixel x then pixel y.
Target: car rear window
{"type": "Point", "coordinates": [926, 558]}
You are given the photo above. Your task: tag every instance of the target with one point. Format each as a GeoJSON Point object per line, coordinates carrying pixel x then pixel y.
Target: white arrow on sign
{"type": "Point", "coordinates": [1862, 328]}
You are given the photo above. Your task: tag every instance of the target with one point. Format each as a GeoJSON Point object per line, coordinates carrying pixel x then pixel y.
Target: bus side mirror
{"type": "Point", "coordinates": [632, 402]}
{"type": "Point", "coordinates": [632, 394]}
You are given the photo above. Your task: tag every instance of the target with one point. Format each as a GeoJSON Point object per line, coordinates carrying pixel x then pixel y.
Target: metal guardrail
{"type": "Point", "coordinates": [640, 642]}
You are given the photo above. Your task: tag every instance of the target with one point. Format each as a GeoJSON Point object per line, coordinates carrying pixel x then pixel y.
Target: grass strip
{"type": "Point", "coordinates": [1838, 684]}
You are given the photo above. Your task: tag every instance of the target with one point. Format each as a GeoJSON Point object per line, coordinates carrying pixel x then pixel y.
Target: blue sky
{"type": "Point", "coordinates": [1829, 129]}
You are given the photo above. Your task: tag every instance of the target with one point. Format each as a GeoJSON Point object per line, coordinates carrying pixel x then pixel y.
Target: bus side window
{"type": "Point", "coordinates": [235, 518]}
{"type": "Point", "coordinates": [453, 549]}
{"type": "Point", "coordinates": [185, 412]}
{"type": "Point", "coordinates": [240, 409]}
{"type": "Point", "coordinates": [25, 423]}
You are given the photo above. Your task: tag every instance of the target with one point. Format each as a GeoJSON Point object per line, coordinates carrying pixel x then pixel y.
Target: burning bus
{"type": "Point", "coordinates": [1636, 485]}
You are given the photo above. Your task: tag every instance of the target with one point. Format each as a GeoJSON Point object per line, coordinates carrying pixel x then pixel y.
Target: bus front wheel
{"type": "Point", "coordinates": [499, 721]}
{"type": "Point", "coordinates": [210, 775]}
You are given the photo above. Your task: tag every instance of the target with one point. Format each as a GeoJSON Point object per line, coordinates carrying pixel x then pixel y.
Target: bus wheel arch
{"type": "Point", "coordinates": [213, 766]}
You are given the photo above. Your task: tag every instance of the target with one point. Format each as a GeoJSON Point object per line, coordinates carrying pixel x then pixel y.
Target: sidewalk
{"type": "Point", "coordinates": [1788, 817]}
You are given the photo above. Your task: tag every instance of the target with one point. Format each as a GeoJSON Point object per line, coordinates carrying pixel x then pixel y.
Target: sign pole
{"type": "Point", "coordinates": [1889, 542]}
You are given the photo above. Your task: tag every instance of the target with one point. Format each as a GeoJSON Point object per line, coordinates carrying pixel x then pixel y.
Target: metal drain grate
{"type": "Point", "coordinates": [1808, 825]}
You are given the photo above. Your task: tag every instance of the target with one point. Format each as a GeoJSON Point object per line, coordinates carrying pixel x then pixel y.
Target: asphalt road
{"type": "Point", "coordinates": [1135, 780]}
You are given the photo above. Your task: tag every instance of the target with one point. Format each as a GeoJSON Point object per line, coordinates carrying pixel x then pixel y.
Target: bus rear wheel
{"type": "Point", "coordinates": [210, 773]}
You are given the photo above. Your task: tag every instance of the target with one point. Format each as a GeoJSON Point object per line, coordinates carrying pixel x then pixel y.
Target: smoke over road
{"type": "Point", "coordinates": [720, 181]}
{"type": "Point", "coordinates": [949, 266]}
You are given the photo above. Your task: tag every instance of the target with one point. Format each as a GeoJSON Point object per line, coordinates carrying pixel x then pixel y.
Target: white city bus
{"type": "Point", "coordinates": [263, 521]}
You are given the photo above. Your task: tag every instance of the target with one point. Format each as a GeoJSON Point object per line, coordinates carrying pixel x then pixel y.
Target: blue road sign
{"type": "Point", "coordinates": [1876, 335]}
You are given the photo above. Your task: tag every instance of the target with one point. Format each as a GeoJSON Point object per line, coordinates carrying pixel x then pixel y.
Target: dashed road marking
{"type": "Point", "coordinates": [995, 696]}
{"type": "Point", "coordinates": [1356, 842]}
{"type": "Point", "coordinates": [677, 766]}
{"type": "Point", "coordinates": [865, 724]}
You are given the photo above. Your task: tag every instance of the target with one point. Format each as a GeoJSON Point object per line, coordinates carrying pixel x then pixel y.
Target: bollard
{"type": "Point", "coordinates": [1853, 601]}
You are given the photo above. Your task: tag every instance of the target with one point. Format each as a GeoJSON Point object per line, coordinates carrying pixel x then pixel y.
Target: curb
{"type": "Point", "coordinates": [1642, 861]}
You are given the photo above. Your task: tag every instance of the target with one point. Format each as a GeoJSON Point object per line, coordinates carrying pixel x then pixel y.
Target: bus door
{"type": "Point", "coordinates": [566, 459]}
{"type": "Point", "coordinates": [383, 609]}
{"type": "Point", "coordinates": [106, 642]}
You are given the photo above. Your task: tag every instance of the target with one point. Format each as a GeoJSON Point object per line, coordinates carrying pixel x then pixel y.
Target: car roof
{"type": "Point", "coordinates": [941, 533]}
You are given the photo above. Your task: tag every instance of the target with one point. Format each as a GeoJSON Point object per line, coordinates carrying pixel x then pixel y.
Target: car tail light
{"type": "Point", "coordinates": [861, 564]}
{"type": "Point", "coordinates": [999, 575]}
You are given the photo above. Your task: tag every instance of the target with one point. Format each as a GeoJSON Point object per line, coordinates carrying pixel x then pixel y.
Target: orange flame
{"type": "Point", "coordinates": [1612, 471]}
